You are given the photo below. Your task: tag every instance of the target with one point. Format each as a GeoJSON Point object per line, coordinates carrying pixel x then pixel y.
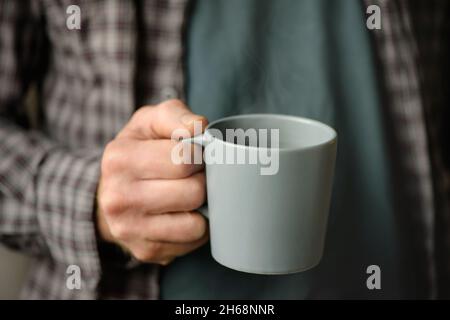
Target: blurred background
{"type": "Point", "coordinates": [13, 269]}
{"type": "Point", "coordinates": [14, 265]}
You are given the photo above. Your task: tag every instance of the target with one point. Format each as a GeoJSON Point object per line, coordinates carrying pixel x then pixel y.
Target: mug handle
{"type": "Point", "coordinates": [199, 140]}
{"type": "Point", "coordinates": [204, 210]}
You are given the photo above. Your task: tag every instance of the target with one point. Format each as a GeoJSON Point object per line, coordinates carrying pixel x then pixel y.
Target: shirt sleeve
{"type": "Point", "coordinates": [47, 191]}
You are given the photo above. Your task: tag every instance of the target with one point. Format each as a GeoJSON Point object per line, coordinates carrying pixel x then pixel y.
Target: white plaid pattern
{"type": "Point", "coordinates": [48, 176]}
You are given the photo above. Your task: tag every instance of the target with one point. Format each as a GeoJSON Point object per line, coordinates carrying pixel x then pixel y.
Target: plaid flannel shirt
{"type": "Point", "coordinates": [88, 86]}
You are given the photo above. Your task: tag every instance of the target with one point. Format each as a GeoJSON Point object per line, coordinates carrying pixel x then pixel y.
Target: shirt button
{"type": "Point", "coordinates": [169, 93]}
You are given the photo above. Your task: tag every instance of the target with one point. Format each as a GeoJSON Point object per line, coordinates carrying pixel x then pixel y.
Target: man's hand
{"type": "Point", "coordinates": [146, 202]}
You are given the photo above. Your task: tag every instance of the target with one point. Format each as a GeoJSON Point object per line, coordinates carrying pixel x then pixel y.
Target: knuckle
{"type": "Point", "coordinates": [163, 106]}
{"type": "Point", "coordinates": [163, 111]}
{"type": "Point", "coordinates": [142, 112]}
{"type": "Point", "coordinates": [113, 159]}
{"type": "Point", "coordinates": [166, 109]}
{"type": "Point", "coordinates": [112, 203]}
{"type": "Point", "coordinates": [119, 231]}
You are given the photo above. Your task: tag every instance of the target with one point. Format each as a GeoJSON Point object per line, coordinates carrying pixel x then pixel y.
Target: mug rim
{"type": "Point", "coordinates": [331, 140]}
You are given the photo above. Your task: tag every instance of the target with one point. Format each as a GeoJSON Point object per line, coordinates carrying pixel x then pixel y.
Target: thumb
{"type": "Point", "coordinates": [169, 119]}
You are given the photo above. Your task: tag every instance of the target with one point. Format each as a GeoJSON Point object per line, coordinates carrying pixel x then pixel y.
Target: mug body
{"type": "Point", "coordinates": [270, 223]}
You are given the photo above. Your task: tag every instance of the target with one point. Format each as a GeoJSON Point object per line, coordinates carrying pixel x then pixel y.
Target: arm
{"type": "Point", "coordinates": [47, 192]}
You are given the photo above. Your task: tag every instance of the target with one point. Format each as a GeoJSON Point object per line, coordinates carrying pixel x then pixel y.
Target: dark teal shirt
{"type": "Point", "coordinates": [311, 58]}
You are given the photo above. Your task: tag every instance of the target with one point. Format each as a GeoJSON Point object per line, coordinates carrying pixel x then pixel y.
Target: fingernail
{"type": "Point", "coordinates": [189, 118]}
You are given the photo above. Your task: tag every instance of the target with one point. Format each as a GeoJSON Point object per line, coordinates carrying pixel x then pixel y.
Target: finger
{"type": "Point", "coordinates": [162, 252]}
{"type": "Point", "coordinates": [164, 121]}
{"type": "Point", "coordinates": [161, 196]}
{"type": "Point", "coordinates": [174, 250]}
{"type": "Point", "coordinates": [180, 227]}
{"type": "Point", "coordinates": [154, 159]}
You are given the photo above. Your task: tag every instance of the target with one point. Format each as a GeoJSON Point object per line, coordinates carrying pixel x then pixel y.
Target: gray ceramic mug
{"type": "Point", "coordinates": [268, 223]}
